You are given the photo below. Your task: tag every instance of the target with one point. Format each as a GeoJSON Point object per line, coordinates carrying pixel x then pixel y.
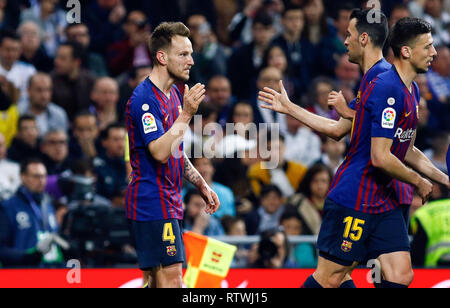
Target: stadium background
{"type": "Point", "coordinates": [239, 47]}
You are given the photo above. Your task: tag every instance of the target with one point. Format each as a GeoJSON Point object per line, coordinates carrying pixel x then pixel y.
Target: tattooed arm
{"type": "Point", "coordinates": [193, 176]}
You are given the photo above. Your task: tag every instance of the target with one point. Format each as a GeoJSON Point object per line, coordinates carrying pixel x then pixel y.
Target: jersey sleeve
{"type": "Point", "coordinates": [148, 117]}
{"type": "Point", "coordinates": [352, 104]}
{"type": "Point", "coordinates": [385, 105]}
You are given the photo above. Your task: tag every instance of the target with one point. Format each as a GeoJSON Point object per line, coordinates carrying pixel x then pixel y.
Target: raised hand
{"type": "Point", "coordinates": [193, 97]}
{"type": "Point", "coordinates": [275, 101]}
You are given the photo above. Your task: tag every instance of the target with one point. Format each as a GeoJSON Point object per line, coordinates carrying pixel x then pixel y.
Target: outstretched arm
{"type": "Point", "coordinates": [193, 176]}
{"type": "Point", "coordinates": [280, 102]}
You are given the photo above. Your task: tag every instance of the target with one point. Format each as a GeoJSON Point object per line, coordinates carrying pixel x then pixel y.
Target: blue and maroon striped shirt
{"type": "Point", "coordinates": [386, 109]}
{"type": "Point", "coordinates": [404, 191]}
{"type": "Point", "coordinates": [155, 190]}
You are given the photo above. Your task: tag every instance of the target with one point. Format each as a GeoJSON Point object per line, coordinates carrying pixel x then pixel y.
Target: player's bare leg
{"type": "Point", "coordinates": [149, 278]}
{"type": "Point", "coordinates": [331, 275]}
{"type": "Point", "coordinates": [396, 268]}
{"type": "Point", "coordinates": [170, 276]}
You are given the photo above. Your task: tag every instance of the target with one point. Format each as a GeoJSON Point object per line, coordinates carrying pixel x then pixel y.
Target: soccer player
{"type": "Point", "coordinates": [157, 118]}
{"type": "Point", "coordinates": [362, 217]}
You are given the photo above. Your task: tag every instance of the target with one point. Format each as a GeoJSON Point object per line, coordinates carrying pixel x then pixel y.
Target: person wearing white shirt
{"type": "Point", "coordinates": [302, 144]}
{"type": "Point", "coordinates": [9, 175]}
{"type": "Point", "coordinates": [14, 70]}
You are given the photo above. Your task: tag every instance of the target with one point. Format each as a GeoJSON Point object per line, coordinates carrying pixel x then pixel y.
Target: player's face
{"type": "Point", "coordinates": [423, 53]}
{"type": "Point", "coordinates": [180, 59]}
{"type": "Point", "coordinates": [352, 43]}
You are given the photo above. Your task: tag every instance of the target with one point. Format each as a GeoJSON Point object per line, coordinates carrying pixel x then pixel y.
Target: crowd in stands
{"type": "Point", "coordinates": [64, 88]}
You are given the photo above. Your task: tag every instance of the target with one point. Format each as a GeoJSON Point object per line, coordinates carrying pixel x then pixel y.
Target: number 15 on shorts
{"type": "Point", "coordinates": [168, 235]}
{"type": "Point", "coordinates": [353, 228]}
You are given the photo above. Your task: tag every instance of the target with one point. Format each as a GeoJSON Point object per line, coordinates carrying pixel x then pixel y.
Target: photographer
{"type": "Point", "coordinates": [27, 222]}
{"type": "Point", "coordinates": [272, 251]}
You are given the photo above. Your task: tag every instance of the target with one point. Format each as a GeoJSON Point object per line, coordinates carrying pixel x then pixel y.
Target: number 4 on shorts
{"type": "Point", "coordinates": [168, 235]}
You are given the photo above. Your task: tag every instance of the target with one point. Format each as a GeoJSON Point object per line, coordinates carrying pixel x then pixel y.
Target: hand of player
{"type": "Point", "coordinates": [275, 101]}
{"type": "Point", "coordinates": [193, 97]}
{"type": "Point", "coordinates": [337, 101]}
{"type": "Point", "coordinates": [211, 199]}
{"type": "Point", "coordinates": [424, 189]}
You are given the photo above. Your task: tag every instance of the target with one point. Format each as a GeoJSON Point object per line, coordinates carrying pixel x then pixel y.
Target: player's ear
{"type": "Point", "coordinates": [406, 52]}
{"type": "Point", "coordinates": [161, 57]}
{"type": "Point", "coordinates": [364, 39]}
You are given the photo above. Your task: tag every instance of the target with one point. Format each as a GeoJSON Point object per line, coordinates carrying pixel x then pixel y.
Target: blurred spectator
{"type": "Point", "coordinates": [424, 131]}
{"type": "Point", "coordinates": [347, 77]}
{"type": "Point", "coordinates": [26, 140]}
{"type": "Point", "coordinates": [292, 223]}
{"type": "Point", "coordinates": [9, 114]}
{"type": "Point", "coordinates": [287, 175]}
{"type": "Point", "coordinates": [299, 51]}
{"type": "Point", "coordinates": [135, 77]}
{"type": "Point", "coordinates": [268, 77]}
{"type": "Point", "coordinates": [311, 196]}
{"type": "Point", "coordinates": [430, 227]}
{"type": "Point", "coordinates": [273, 251]}
{"type": "Point", "coordinates": [235, 226]}
{"type": "Point", "coordinates": [246, 61]}
{"type": "Point", "coordinates": [226, 197]}
{"type": "Point", "coordinates": [321, 33]}
{"type": "Point", "coordinates": [10, 175]}
{"type": "Point", "coordinates": [48, 115]}
{"type": "Point", "coordinates": [133, 50]}
{"type": "Point", "coordinates": [72, 85]}
{"type": "Point", "coordinates": [85, 133]}
{"type": "Point", "coordinates": [218, 93]}
{"type": "Point", "coordinates": [104, 20]}
{"type": "Point", "coordinates": [438, 152]}
{"type": "Point", "coordinates": [105, 96]}
{"type": "Point", "coordinates": [110, 166]}
{"type": "Point", "coordinates": [433, 12]}
{"type": "Point", "coordinates": [267, 215]}
{"type": "Point", "coordinates": [14, 70]}
{"type": "Point", "coordinates": [302, 144]}
{"type": "Point", "coordinates": [94, 62]}
{"type": "Point", "coordinates": [33, 52]}
{"type": "Point", "coordinates": [55, 152]}
{"type": "Point", "coordinates": [27, 222]}
{"type": "Point", "coordinates": [9, 14]}
{"type": "Point", "coordinates": [275, 57]}
{"type": "Point", "coordinates": [341, 20]}
{"type": "Point", "coordinates": [398, 12]}
{"type": "Point", "coordinates": [157, 11]}
{"type": "Point", "coordinates": [50, 19]}
{"type": "Point", "coordinates": [241, 25]}
{"type": "Point", "coordinates": [439, 76]}
{"type": "Point", "coordinates": [333, 153]}
{"type": "Point", "coordinates": [195, 218]}
{"type": "Point", "coordinates": [209, 55]}
{"type": "Point", "coordinates": [318, 98]}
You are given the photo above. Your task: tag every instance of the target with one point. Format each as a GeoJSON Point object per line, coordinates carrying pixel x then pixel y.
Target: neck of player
{"type": "Point", "coordinates": [371, 58]}
{"type": "Point", "coordinates": [161, 79]}
{"type": "Point", "coordinates": [406, 72]}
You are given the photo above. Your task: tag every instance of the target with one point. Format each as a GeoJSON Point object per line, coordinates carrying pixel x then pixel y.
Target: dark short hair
{"type": "Point", "coordinates": [162, 37]}
{"type": "Point", "coordinates": [291, 7]}
{"type": "Point", "coordinates": [377, 31]}
{"type": "Point", "coordinates": [9, 34]}
{"type": "Point", "coordinates": [305, 185]}
{"type": "Point", "coordinates": [191, 193]}
{"type": "Point", "coordinates": [27, 162]}
{"type": "Point", "coordinates": [270, 189]}
{"type": "Point", "coordinates": [405, 33]}
{"type": "Point", "coordinates": [104, 134]}
{"type": "Point", "coordinates": [77, 49]}
{"type": "Point", "coordinates": [82, 166]}
{"type": "Point", "coordinates": [263, 18]}
{"type": "Point", "coordinates": [24, 118]}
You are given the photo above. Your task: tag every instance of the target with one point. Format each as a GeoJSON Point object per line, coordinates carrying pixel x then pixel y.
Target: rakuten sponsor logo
{"type": "Point", "coordinates": [406, 135]}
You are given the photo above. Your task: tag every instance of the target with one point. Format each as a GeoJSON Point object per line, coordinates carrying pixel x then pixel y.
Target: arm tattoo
{"type": "Point", "coordinates": [190, 173]}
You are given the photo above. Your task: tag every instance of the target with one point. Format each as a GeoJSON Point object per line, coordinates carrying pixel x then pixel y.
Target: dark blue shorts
{"type": "Point", "coordinates": [158, 243]}
{"type": "Point", "coordinates": [348, 236]}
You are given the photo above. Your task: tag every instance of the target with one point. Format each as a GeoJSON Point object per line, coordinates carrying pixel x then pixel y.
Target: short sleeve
{"type": "Point", "coordinates": [148, 117]}
{"type": "Point", "coordinates": [385, 104]}
{"type": "Point", "coordinates": [352, 104]}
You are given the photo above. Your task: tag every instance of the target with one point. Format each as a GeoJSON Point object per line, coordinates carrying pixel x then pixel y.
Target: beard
{"type": "Point", "coordinates": [177, 77]}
